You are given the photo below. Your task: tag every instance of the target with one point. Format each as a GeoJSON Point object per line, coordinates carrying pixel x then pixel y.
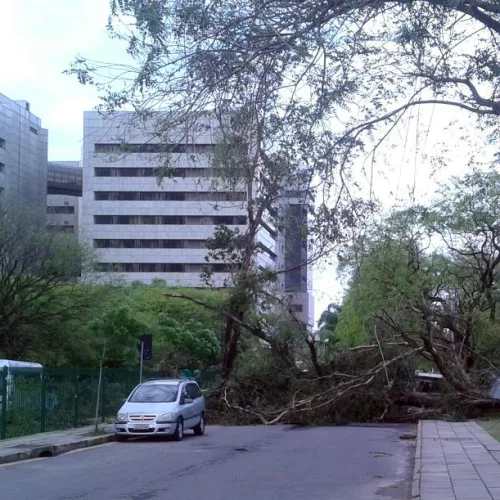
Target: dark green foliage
{"type": "Point", "coordinates": [183, 332]}
{"type": "Point", "coordinates": [36, 267]}
{"type": "Point", "coordinates": [430, 277]}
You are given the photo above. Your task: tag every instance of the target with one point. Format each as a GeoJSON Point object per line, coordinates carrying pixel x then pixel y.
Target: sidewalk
{"type": "Point", "coordinates": [456, 461]}
{"type": "Point", "coordinates": [50, 444]}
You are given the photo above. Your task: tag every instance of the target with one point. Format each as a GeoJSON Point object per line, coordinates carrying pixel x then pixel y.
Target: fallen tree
{"type": "Point", "coordinates": [299, 92]}
{"type": "Point", "coordinates": [436, 308]}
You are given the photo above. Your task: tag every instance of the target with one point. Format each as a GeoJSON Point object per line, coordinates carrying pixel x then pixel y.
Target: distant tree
{"type": "Point", "coordinates": [429, 278]}
{"type": "Point", "coordinates": [35, 265]}
{"type": "Point", "coordinates": [116, 335]}
{"type": "Point", "coordinates": [119, 313]}
{"type": "Point", "coordinates": [328, 321]}
{"type": "Point", "coordinates": [186, 342]}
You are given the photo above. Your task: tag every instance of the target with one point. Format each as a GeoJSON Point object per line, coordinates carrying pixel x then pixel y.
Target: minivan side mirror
{"type": "Point", "coordinates": [187, 401]}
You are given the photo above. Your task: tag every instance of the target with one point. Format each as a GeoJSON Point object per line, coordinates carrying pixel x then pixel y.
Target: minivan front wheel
{"type": "Point", "coordinates": [179, 430]}
{"type": "Point", "coordinates": [199, 430]}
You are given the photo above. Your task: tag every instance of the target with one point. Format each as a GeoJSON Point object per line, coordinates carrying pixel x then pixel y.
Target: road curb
{"type": "Point", "coordinates": [55, 450]}
{"type": "Point", "coordinates": [415, 485]}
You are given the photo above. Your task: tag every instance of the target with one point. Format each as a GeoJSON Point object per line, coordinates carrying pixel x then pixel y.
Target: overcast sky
{"type": "Point", "coordinates": [39, 42]}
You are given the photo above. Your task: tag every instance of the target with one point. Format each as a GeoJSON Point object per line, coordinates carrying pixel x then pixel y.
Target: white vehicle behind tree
{"type": "Point", "coordinates": [165, 407]}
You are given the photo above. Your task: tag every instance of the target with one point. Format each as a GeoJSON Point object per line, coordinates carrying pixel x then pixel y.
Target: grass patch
{"type": "Point", "coordinates": [100, 432]}
{"type": "Point", "coordinates": [491, 425]}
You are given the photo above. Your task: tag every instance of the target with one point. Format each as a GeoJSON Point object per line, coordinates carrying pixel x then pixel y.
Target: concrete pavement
{"type": "Point", "coordinates": [456, 461]}
{"type": "Point", "coordinates": [50, 444]}
{"type": "Point", "coordinates": [243, 463]}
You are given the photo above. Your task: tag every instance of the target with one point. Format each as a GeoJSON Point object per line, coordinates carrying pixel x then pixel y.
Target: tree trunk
{"type": "Point", "coordinates": [421, 399]}
{"type": "Point", "coordinates": [232, 335]}
{"type": "Point", "coordinates": [314, 357]}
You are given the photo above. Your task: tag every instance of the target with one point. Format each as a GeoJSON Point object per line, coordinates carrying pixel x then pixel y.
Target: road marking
{"type": "Point", "coordinates": [78, 450]}
{"type": "Point", "coordinates": [19, 462]}
{"type": "Point", "coordinates": [88, 448]}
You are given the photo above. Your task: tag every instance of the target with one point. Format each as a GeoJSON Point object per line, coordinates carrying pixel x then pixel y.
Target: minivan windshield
{"type": "Point", "coordinates": [154, 393]}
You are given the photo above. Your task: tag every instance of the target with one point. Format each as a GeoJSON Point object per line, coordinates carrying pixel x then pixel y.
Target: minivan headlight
{"type": "Point", "coordinates": [166, 417]}
{"type": "Point", "coordinates": [121, 417]}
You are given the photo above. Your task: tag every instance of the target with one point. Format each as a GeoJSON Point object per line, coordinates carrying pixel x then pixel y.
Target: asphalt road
{"type": "Point", "coordinates": [229, 463]}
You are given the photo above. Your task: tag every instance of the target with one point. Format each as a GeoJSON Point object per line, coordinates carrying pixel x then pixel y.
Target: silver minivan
{"type": "Point", "coordinates": [165, 407]}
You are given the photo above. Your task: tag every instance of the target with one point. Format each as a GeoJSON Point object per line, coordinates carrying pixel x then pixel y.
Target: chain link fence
{"type": "Point", "coordinates": [42, 400]}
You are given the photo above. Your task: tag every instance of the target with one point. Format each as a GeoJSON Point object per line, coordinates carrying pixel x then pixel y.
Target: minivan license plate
{"type": "Point", "coordinates": [141, 426]}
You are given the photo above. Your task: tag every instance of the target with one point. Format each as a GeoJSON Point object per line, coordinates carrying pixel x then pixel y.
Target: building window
{"type": "Point", "coordinates": [152, 172]}
{"type": "Point", "coordinates": [168, 196]}
{"type": "Point", "coordinates": [169, 219]}
{"type": "Point", "coordinates": [296, 307]}
{"type": "Point", "coordinates": [61, 210]}
{"type": "Point", "coordinates": [159, 267]}
{"type": "Point", "coordinates": [102, 172]}
{"type": "Point", "coordinates": [62, 229]}
{"type": "Point", "coordinates": [150, 243]}
{"type": "Point", "coordinates": [2, 167]}
{"type": "Point", "coordinates": [2, 143]}
{"type": "Point", "coordinates": [34, 130]}
{"type": "Point", "coordinates": [154, 148]}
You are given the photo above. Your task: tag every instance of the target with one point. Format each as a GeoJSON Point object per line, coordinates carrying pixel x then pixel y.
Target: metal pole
{"type": "Point", "coordinates": [43, 402]}
{"type": "Point", "coordinates": [96, 429]}
{"type": "Point", "coordinates": [140, 363]}
{"type": "Point", "coordinates": [75, 401]}
{"type": "Point", "coordinates": [3, 419]}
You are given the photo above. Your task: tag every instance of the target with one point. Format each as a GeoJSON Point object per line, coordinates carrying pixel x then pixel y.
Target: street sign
{"type": "Point", "coordinates": [146, 346]}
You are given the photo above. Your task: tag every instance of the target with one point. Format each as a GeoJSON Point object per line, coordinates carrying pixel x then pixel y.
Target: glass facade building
{"type": "Point", "coordinates": [23, 153]}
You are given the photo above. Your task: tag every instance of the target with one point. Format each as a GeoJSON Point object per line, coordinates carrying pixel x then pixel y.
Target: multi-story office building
{"type": "Point", "coordinates": [64, 178]}
{"type": "Point", "coordinates": [23, 154]}
{"type": "Point", "coordinates": [143, 229]}
{"type": "Point", "coordinates": [64, 195]}
{"type": "Point", "coordinates": [297, 279]}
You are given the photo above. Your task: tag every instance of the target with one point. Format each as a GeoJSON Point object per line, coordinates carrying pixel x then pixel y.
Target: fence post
{"type": "Point", "coordinates": [104, 391]}
{"type": "Point", "coordinates": [43, 403]}
{"type": "Point", "coordinates": [3, 418]}
{"type": "Point", "coordinates": [75, 401]}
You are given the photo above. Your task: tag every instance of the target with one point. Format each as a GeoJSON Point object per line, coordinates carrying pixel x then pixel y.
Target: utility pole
{"type": "Point", "coordinates": [145, 348]}
{"type": "Point", "coordinates": [141, 362]}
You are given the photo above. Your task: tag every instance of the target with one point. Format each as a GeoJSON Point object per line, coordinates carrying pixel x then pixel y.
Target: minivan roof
{"type": "Point", "coordinates": [169, 381]}
{"type": "Point", "coordinates": [18, 364]}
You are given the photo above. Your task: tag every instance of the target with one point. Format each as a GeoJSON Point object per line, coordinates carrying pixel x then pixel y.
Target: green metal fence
{"type": "Point", "coordinates": [34, 400]}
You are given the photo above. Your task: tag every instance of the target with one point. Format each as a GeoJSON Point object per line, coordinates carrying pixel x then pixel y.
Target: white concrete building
{"type": "Point", "coordinates": [143, 230]}
{"type": "Point", "coordinates": [63, 212]}
{"type": "Point", "coordinates": [64, 196]}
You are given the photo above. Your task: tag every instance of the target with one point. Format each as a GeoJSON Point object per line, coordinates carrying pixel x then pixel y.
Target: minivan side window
{"type": "Point", "coordinates": [185, 394]}
{"type": "Point", "coordinates": [193, 391]}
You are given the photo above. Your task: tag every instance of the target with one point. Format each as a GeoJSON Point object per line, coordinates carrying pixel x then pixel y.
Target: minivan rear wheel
{"type": "Point", "coordinates": [179, 430]}
{"type": "Point", "coordinates": [199, 430]}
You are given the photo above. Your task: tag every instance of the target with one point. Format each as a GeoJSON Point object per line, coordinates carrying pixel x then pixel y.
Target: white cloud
{"type": "Point", "coordinates": [39, 43]}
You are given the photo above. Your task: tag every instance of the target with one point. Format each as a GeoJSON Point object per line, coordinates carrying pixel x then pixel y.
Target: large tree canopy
{"type": "Point", "coordinates": [430, 277]}
{"type": "Point", "coordinates": [308, 91]}
{"type": "Point", "coordinates": [330, 79]}
{"type": "Point", "coordinates": [37, 267]}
